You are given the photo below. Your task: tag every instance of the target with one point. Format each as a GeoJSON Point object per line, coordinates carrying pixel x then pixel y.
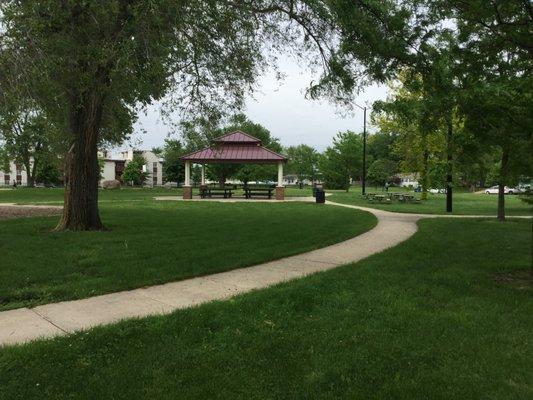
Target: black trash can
{"type": "Point", "coordinates": [320, 196]}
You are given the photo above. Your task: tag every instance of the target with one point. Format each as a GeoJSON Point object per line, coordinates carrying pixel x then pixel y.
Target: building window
{"type": "Point", "coordinates": [7, 178]}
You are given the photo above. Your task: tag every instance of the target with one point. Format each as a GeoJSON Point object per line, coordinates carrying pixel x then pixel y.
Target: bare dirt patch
{"type": "Point", "coordinates": [8, 212]}
{"type": "Point", "coordinates": [522, 279]}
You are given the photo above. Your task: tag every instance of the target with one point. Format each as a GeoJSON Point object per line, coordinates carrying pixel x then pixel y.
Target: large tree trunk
{"type": "Point", "coordinates": [30, 173]}
{"type": "Point", "coordinates": [31, 181]}
{"type": "Point", "coordinates": [80, 212]}
{"type": "Point", "coordinates": [449, 165]}
{"type": "Point", "coordinates": [501, 185]}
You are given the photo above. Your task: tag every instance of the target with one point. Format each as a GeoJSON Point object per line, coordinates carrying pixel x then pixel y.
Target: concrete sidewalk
{"type": "Point", "coordinates": [24, 324]}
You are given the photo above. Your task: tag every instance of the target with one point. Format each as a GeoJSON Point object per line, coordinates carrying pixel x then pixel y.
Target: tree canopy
{"type": "Point", "coordinates": [343, 161]}
{"type": "Point", "coordinates": [303, 162]}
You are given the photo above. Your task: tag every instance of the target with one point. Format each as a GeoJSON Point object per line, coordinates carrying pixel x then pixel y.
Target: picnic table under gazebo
{"type": "Point", "coordinates": [234, 148]}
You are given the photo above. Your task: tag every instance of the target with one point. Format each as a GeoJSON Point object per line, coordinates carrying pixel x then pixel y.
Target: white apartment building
{"type": "Point", "coordinates": [16, 174]}
{"type": "Point", "coordinates": [114, 167]}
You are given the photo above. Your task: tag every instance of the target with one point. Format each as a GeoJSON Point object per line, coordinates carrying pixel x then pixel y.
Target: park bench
{"type": "Point", "coordinates": [225, 192]}
{"type": "Point", "coordinates": [250, 191]}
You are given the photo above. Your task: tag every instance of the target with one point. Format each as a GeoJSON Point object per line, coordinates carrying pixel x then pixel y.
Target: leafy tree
{"type": "Point", "coordinates": [303, 162]}
{"type": "Point", "coordinates": [487, 52]}
{"type": "Point", "coordinates": [408, 115]}
{"type": "Point", "coordinates": [500, 25]}
{"type": "Point", "coordinates": [49, 172]}
{"type": "Point", "coordinates": [381, 171]}
{"type": "Point", "coordinates": [29, 138]}
{"type": "Point", "coordinates": [4, 159]}
{"type": "Point", "coordinates": [342, 161]}
{"type": "Point", "coordinates": [500, 114]}
{"type": "Point", "coordinates": [173, 167]}
{"type": "Point", "coordinates": [495, 65]}
{"type": "Point", "coordinates": [91, 64]}
{"type": "Point", "coordinates": [133, 171]}
{"type": "Point", "coordinates": [380, 146]}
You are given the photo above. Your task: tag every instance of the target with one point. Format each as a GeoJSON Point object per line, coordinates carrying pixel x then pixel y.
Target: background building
{"type": "Point", "coordinates": [113, 167]}
{"type": "Point", "coordinates": [14, 174]}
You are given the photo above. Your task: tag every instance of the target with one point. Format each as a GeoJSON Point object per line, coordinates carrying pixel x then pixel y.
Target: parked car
{"type": "Point", "coordinates": [506, 190]}
{"type": "Point", "coordinates": [436, 191]}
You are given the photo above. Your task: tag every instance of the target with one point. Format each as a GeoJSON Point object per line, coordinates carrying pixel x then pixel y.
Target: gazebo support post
{"type": "Point", "coordinates": [280, 190]}
{"type": "Point", "coordinates": [187, 189]}
{"type": "Point", "coordinates": [203, 175]}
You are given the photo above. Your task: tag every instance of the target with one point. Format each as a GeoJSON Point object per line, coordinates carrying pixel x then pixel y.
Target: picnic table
{"type": "Point", "coordinates": [389, 197]}
{"type": "Point", "coordinates": [250, 191]}
{"type": "Point", "coordinates": [381, 198]}
{"type": "Point", "coordinates": [225, 192]}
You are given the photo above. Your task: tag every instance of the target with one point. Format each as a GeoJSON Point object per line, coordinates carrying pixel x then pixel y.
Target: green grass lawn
{"type": "Point", "coordinates": [24, 195]}
{"type": "Point", "coordinates": [464, 203]}
{"type": "Point", "coordinates": [425, 320]}
{"type": "Point", "coordinates": [153, 242]}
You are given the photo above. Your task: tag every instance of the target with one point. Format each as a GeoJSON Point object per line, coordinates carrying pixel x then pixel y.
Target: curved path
{"type": "Point", "coordinates": [25, 324]}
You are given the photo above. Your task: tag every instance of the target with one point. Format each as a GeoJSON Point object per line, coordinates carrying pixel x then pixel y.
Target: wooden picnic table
{"type": "Point", "coordinates": [225, 192]}
{"type": "Point", "coordinates": [409, 198]}
{"type": "Point", "coordinates": [380, 198]}
{"type": "Point", "coordinates": [395, 195]}
{"type": "Point", "coordinates": [250, 191]}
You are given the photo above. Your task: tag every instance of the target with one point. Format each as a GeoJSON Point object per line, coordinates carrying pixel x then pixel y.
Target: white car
{"type": "Point", "coordinates": [437, 191]}
{"type": "Point", "coordinates": [506, 190]}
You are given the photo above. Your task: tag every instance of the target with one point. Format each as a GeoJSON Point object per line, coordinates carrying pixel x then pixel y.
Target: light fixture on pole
{"type": "Point", "coordinates": [363, 177]}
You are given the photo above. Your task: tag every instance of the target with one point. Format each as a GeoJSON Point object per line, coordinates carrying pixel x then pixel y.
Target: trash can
{"type": "Point", "coordinates": [320, 196]}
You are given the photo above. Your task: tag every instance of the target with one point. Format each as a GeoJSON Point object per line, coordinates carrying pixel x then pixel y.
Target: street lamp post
{"type": "Point", "coordinates": [363, 178]}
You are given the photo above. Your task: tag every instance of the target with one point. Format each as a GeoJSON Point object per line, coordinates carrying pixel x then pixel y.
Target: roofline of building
{"type": "Point", "coordinates": [255, 140]}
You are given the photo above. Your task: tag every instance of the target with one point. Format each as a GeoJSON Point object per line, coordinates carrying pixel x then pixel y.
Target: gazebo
{"type": "Point", "coordinates": [237, 148]}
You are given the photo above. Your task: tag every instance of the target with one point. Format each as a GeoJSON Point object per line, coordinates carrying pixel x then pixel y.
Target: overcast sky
{"type": "Point", "coordinates": [281, 107]}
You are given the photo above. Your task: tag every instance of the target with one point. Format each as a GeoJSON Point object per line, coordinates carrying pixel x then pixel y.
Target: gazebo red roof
{"type": "Point", "coordinates": [235, 147]}
{"type": "Point", "coordinates": [237, 137]}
